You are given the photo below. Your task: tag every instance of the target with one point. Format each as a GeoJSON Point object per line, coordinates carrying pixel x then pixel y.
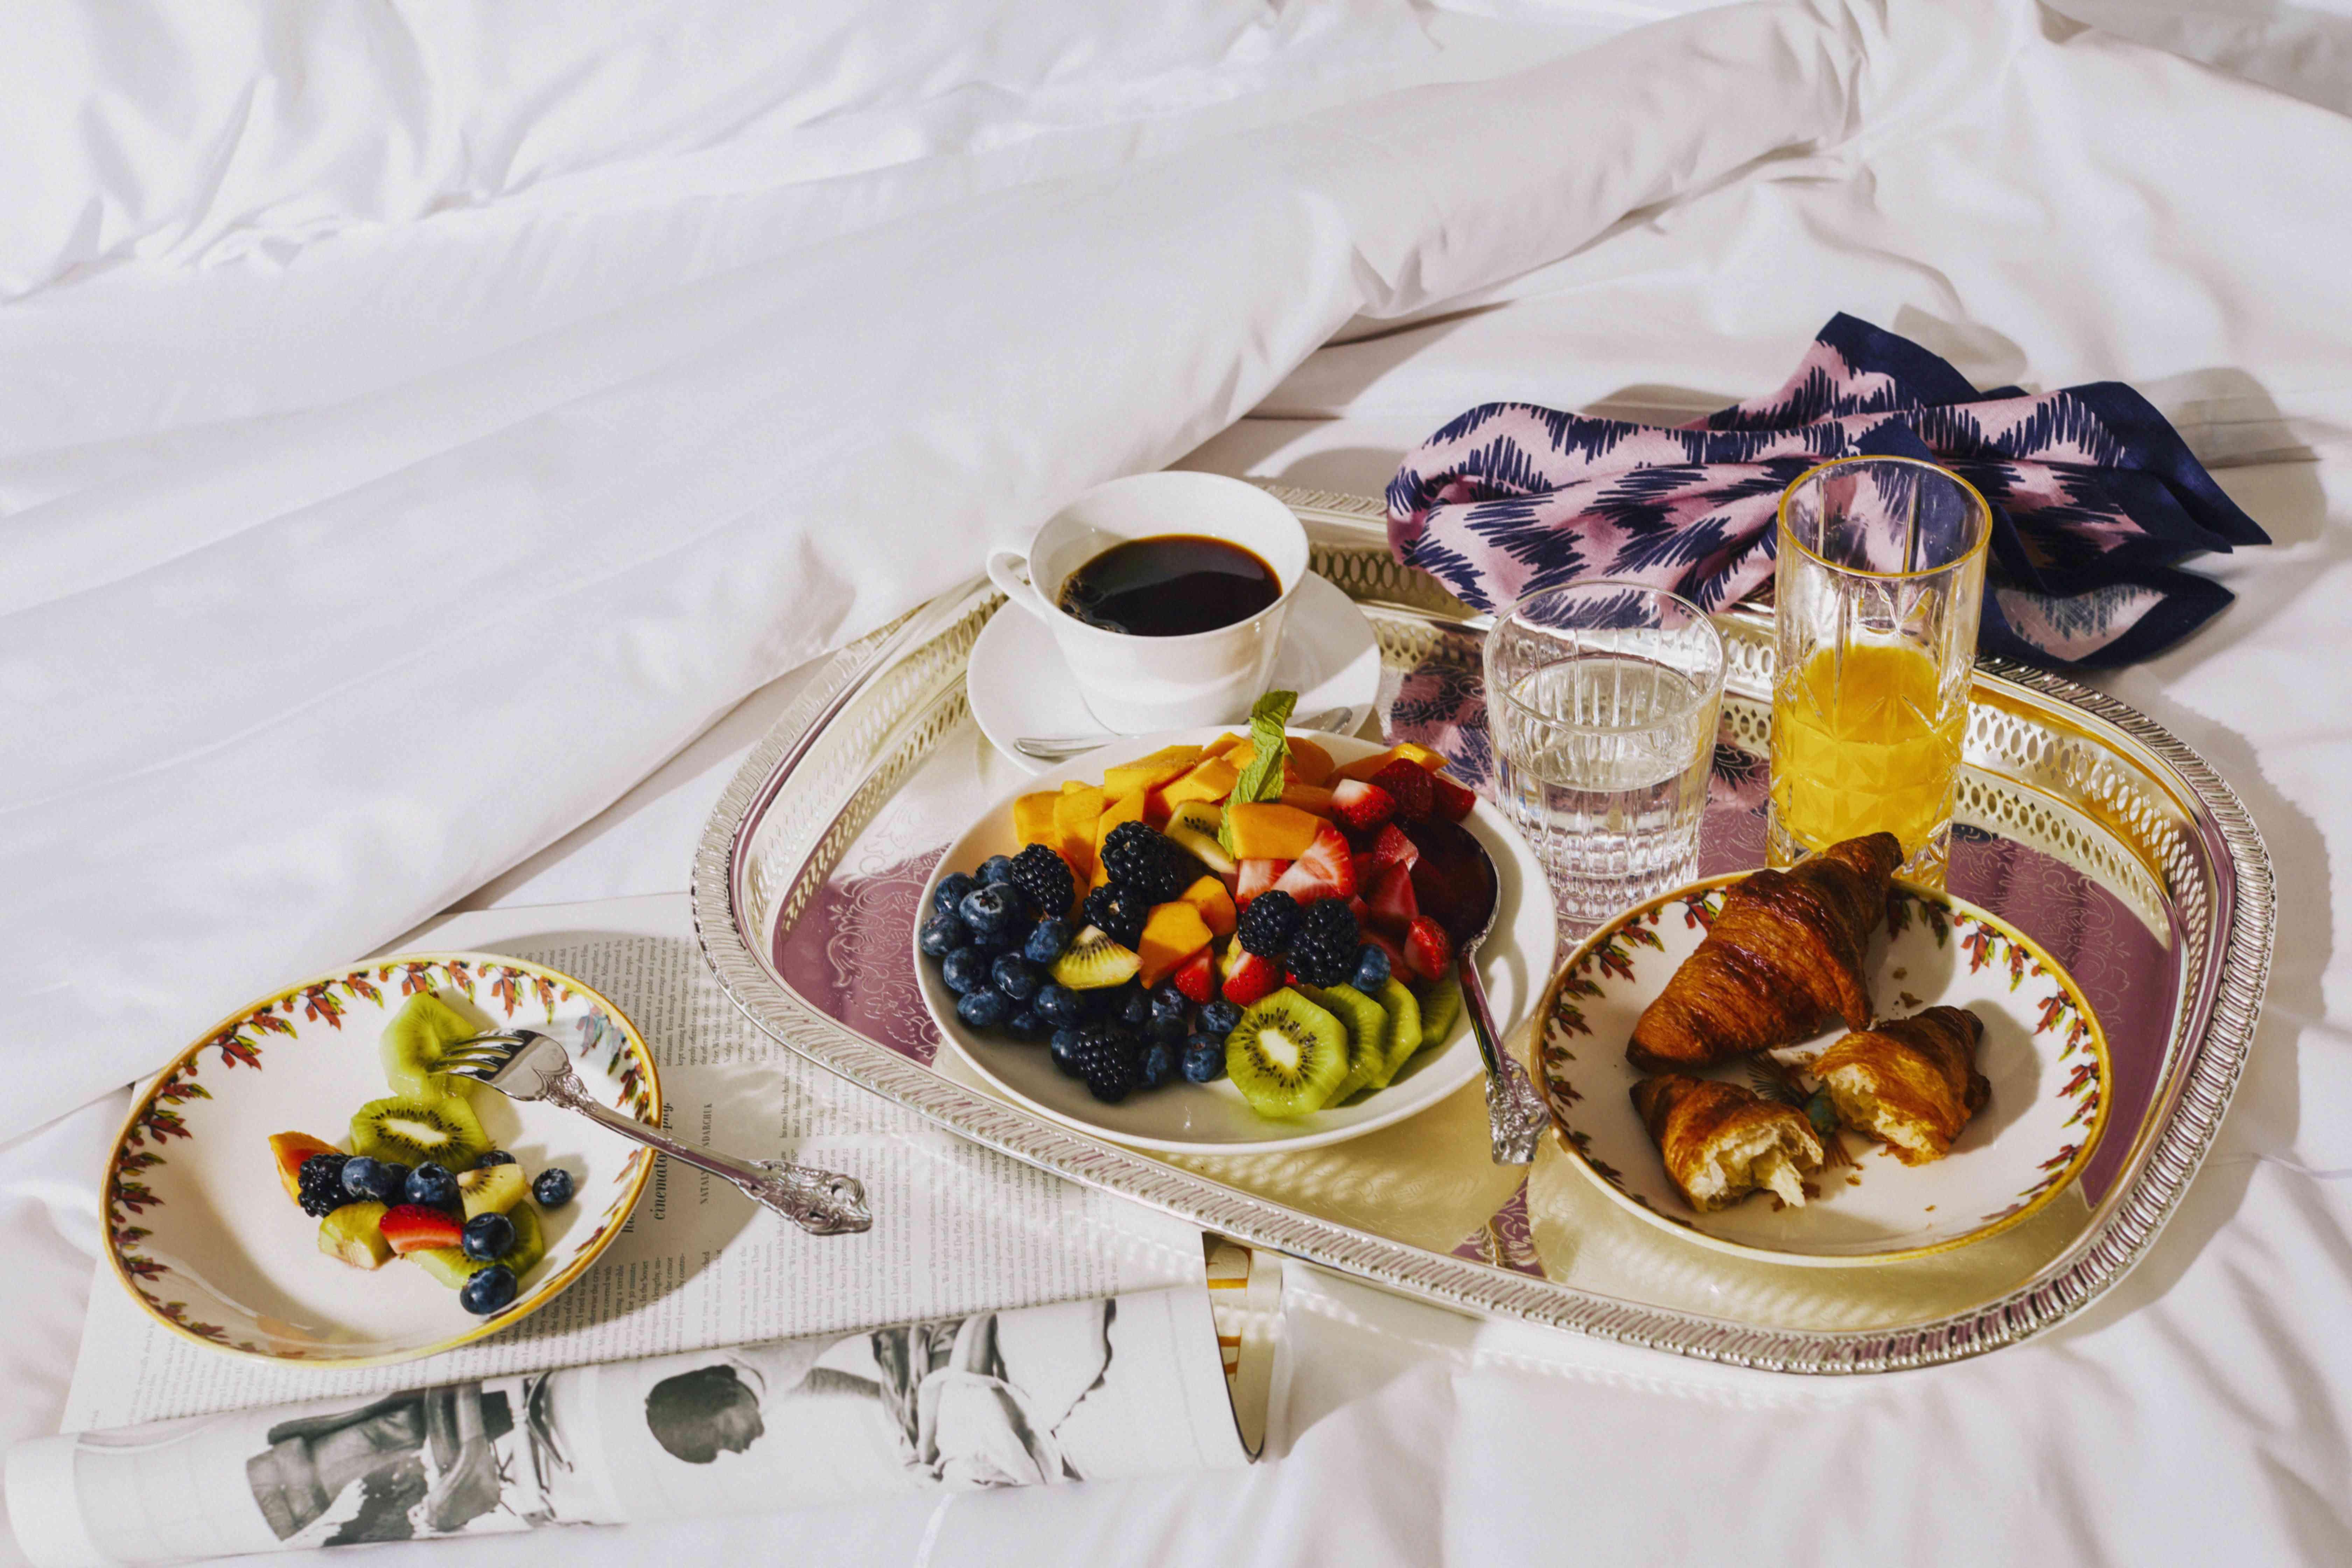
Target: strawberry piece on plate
{"type": "Point", "coordinates": [1198, 979]}
{"type": "Point", "coordinates": [1390, 903]}
{"type": "Point", "coordinates": [415, 1227]}
{"type": "Point", "coordinates": [1391, 848]}
{"type": "Point", "coordinates": [1362, 807]}
{"type": "Point", "coordinates": [1427, 952]}
{"type": "Point", "coordinates": [1327, 870]}
{"type": "Point", "coordinates": [1449, 800]}
{"type": "Point", "coordinates": [1250, 979]}
{"type": "Point", "coordinates": [1255, 877]}
{"type": "Point", "coordinates": [1409, 787]}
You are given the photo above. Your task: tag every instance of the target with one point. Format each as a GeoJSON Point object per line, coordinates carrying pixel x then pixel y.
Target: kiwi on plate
{"type": "Point", "coordinates": [1287, 1056]}
{"type": "Point", "coordinates": [493, 1189]}
{"type": "Point", "coordinates": [1367, 1022]}
{"type": "Point", "coordinates": [1194, 825]}
{"type": "Point", "coordinates": [350, 1234]}
{"type": "Point", "coordinates": [413, 1043]}
{"type": "Point", "coordinates": [414, 1130]}
{"type": "Point", "coordinates": [1441, 1009]}
{"type": "Point", "coordinates": [1094, 961]}
{"type": "Point", "coordinates": [1397, 1000]}
{"type": "Point", "coordinates": [450, 1265]}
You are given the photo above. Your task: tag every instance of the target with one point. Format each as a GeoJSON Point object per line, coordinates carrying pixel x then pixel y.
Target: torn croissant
{"type": "Point", "coordinates": [1721, 1142]}
{"type": "Point", "coordinates": [1911, 1083]}
{"type": "Point", "coordinates": [1785, 956]}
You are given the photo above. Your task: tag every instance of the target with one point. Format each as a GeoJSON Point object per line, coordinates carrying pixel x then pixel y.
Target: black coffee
{"type": "Point", "coordinates": [1170, 585]}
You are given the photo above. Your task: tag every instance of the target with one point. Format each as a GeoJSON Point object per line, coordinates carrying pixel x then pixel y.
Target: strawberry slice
{"type": "Point", "coordinates": [1198, 979]}
{"type": "Point", "coordinates": [1326, 871]}
{"type": "Point", "coordinates": [414, 1227]}
{"type": "Point", "coordinates": [1427, 952]}
{"type": "Point", "coordinates": [1409, 787]}
{"type": "Point", "coordinates": [1449, 800]}
{"type": "Point", "coordinates": [1391, 848]}
{"type": "Point", "coordinates": [1362, 807]}
{"type": "Point", "coordinates": [1251, 979]}
{"type": "Point", "coordinates": [1255, 877]}
{"type": "Point", "coordinates": [1391, 907]}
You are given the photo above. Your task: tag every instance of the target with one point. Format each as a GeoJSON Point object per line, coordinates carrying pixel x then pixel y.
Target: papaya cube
{"type": "Point", "coordinates": [1034, 820]}
{"type": "Point", "coordinates": [1312, 763]}
{"type": "Point", "coordinates": [1270, 830]}
{"type": "Point", "coordinates": [1211, 778]}
{"type": "Point", "coordinates": [1403, 751]}
{"type": "Point", "coordinates": [1216, 906]}
{"type": "Point", "coordinates": [1224, 744]}
{"type": "Point", "coordinates": [1307, 797]}
{"type": "Point", "coordinates": [1074, 824]}
{"type": "Point", "coordinates": [1173, 933]}
{"type": "Point", "coordinates": [1149, 773]}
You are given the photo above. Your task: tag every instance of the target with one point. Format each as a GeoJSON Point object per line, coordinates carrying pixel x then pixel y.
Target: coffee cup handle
{"type": "Point", "coordinates": [1009, 570]}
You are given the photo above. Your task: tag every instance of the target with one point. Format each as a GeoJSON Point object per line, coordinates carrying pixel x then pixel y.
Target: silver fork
{"type": "Point", "coordinates": [523, 1063]}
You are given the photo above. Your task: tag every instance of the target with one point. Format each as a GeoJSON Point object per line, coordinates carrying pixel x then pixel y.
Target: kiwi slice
{"type": "Point", "coordinates": [493, 1189]}
{"type": "Point", "coordinates": [1367, 1022]}
{"type": "Point", "coordinates": [450, 1265]}
{"type": "Point", "coordinates": [412, 1129]}
{"type": "Point", "coordinates": [350, 1235]}
{"type": "Point", "coordinates": [412, 1045]}
{"type": "Point", "coordinates": [1404, 1030]}
{"type": "Point", "coordinates": [1287, 1056]}
{"type": "Point", "coordinates": [1441, 1009]}
{"type": "Point", "coordinates": [1094, 961]}
{"type": "Point", "coordinates": [1195, 825]}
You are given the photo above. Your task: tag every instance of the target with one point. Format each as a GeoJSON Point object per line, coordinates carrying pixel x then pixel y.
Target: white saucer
{"type": "Point", "coordinates": [1019, 685]}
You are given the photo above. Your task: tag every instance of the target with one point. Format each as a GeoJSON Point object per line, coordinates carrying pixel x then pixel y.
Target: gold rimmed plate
{"type": "Point", "coordinates": [201, 1234]}
{"type": "Point", "coordinates": [2043, 1054]}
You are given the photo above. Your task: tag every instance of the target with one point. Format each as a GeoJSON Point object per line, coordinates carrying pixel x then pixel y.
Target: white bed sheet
{"type": "Point", "coordinates": [2201, 1410]}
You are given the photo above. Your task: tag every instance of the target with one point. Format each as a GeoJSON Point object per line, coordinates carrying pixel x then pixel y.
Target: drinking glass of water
{"type": "Point", "coordinates": [1601, 700]}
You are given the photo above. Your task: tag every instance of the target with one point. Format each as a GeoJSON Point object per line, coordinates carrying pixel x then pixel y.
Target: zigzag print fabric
{"type": "Point", "coordinates": [2094, 497]}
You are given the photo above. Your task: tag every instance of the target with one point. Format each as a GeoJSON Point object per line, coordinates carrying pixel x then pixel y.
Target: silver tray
{"type": "Point", "coordinates": [2081, 821]}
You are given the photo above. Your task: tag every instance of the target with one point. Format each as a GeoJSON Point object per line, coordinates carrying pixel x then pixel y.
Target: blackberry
{"type": "Point", "coordinates": [1106, 1061]}
{"type": "Point", "coordinates": [1139, 859]}
{"type": "Point", "coordinates": [1119, 912]}
{"type": "Point", "coordinates": [1324, 950]}
{"type": "Point", "coordinates": [322, 1180]}
{"type": "Point", "coordinates": [1046, 876]}
{"type": "Point", "coordinates": [1268, 925]}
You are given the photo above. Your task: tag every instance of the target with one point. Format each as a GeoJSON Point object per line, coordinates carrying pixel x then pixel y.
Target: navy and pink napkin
{"type": "Point", "coordinates": [2094, 497]}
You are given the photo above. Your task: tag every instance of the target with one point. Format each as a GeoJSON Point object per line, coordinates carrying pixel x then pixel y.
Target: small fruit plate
{"type": "Point", "coordinates": [1187, 1118]}
{"type": "Point", "coordinates": [2043, 1053]}
{"type": "Point", "coordinates": [202, 1232]}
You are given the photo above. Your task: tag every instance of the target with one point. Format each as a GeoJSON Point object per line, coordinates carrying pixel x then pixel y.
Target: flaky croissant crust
{"type": "Point", "coordinates": [1692, 1119]}
{"type": "Point", "coordinates": [1920, 1071]}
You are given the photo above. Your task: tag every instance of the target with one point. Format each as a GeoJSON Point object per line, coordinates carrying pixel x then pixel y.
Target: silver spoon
{"type": "Point", "coordinates": [1456, 885]}
{"type": "Point", "coordinates": [1056, 748]}
{"type": "Point", "coordinates": [523, 1063]}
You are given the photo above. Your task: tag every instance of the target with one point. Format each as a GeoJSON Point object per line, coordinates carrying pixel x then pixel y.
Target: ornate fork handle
{"type": "Point", "coordinates": [822, 1203]}
{"type": "Point", "coordinates": [1515, 1116]}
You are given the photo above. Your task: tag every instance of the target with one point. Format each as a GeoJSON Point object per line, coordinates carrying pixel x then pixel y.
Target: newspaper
{"type": "Point", "coordinates": [1005, 1283]}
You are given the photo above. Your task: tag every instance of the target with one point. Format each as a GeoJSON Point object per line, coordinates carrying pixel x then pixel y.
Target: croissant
{"type": "Point", "coordinates": [1785, 955]}
{"type": "Point", "coordinates": [1911, 1083]}
{"type": "Point", "coordinates": [1721, 1142]}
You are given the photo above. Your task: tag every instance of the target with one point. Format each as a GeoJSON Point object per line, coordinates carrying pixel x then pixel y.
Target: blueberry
{"type": "Point", "coordinates": [996, 869]}
{"type": "Point", "coordinates": [1204, 1059]}
{"type": "Point", "coordinates": [1218, 1018]}
{"type": "Point", "coordinates": [1025, 1025]}
{"type": "Point", "coordinates": [1059, 1004]}
{"type": "Point", "coordinates": [381, 1180]}
{"type": "Point", "coordinates": [1132, 1006]}
{"type": "Point", "coordinates": [1158, 1067]}
{"type": "Point", "coordinates": [965, 969]}
{"type": "Point", "coordinates": [488, 1291]}
{"type": "Point", "coordinates": [1169, 1003]}
{"type": "Point", "coordinates": [1048, 942]}
{"type": "Point", "coordinates": [552, 1187]}
{"type": "Point", "coordinates": [992, 911]}
{"type": "Point", "coordinates": [984, 1009]}
{"type": "Point", "coordinates": [1371, 970]}
{"type": "Point", "coordinates": [952, 893]}
{"type": "Point", "coordinates": [1168, 1028]}
{"type": "Point", "coordinates": [431, 1185]}
{"type": "Point", "coordinates": [1064, 1042]}
{"type": "Point", "coordinates": [942, 934]}
{"type": "Point", "coordinates": [494, 1157]}
{"type": "Point", "coordinates": [360, 1176]}
{"type": "Point", "coordinates": [1016, 976]}
{"type": "Point", "coordinates": [487, 1237]}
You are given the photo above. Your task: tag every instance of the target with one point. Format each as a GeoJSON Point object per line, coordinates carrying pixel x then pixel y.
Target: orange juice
{"type": "Point", "coordinates": [1861, 744]}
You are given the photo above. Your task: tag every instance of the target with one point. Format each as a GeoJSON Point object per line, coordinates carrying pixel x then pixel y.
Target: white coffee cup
{"type": "Point", "coordinates": [1135, 684]}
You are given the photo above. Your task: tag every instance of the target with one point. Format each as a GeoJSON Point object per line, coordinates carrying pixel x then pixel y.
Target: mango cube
{"type": "Point", "coordinates": [1149, 773]}
{"type": "Point", "coordinates": [1270, 831]}
{"type": "Point", "coordinates": [1403, 751]}
{"type": "Point", "coordinates": [1208, 895]}
{"type": "Point", "coordinates": [1074, 822]}
{"type": "Point", "coordinates": [1034, 820]}
{"type": "Point", "coordinates": [1173, 933]}
{"type": "Point", "coordinates": [1211, 778]}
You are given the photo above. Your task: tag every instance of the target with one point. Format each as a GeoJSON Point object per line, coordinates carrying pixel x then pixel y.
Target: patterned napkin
{"type": "Point", "coordinates": [2093, 497]}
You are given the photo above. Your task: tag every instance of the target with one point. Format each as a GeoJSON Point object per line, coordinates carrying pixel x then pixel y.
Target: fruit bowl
{"type": "Point", "coordinates": [203, 1233]}
{"type": "Point", "coordinates": [1213, 1118]}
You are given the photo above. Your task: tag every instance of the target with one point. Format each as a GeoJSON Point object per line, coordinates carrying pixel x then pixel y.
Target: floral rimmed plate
{"type": "Point", "coordinates": [2043, 1053]}
{"type": "Point", "coordinates": [201, 1233]}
